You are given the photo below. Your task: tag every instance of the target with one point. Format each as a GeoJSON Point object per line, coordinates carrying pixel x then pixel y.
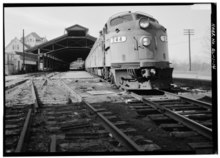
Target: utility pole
{"type": "Point", "coordinates": [189, 32]}
{"type": "Point", "coordinates": [23, 54]}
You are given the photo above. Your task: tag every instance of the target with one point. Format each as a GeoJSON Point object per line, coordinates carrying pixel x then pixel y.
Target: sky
{"type": "Point", "coordinates": [50, 22]}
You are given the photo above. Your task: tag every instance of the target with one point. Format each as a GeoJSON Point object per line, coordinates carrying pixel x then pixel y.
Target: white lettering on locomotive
{"type": "Point", "coordinates": [118, 39]}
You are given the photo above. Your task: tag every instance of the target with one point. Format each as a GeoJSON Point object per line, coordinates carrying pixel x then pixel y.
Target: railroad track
{"type": "Point", "coordinates": [181, 117]}
{"type": "Point", "coordinates": [84, 127]}
{"type": "Point", "coordinates": [18, 119]}
{"type": "Point", "coordinates": [68, 128]}
{"type": "Point", "coordinates": [82, 134]}
{"type": "Point", "coordinates": [119, 129]}
{"type": "Point", "coordinates": [13, 84]}
{"type": "Point", "coordinates": [16, 82]}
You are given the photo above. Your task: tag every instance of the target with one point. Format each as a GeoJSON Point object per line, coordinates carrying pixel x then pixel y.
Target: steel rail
{"type": "Point", "coordinates": [24, 132]}
{"type": "Point", "coordinates": [116, 132]}
{"type": "Point", "coordinates": [53, 143]}
{"type": "Point", "coordinates": [50, 75]}
{"type": "Point", "coordinates": [15, 84]}
{"type": "Point", "coordinates": [207, 132]}
{"type": "Point", "coordinates": [110, 127]}
{"type": "Point", "coordinates": [34, 95]}
{"type": "Point", "coordinates": [189, 100]}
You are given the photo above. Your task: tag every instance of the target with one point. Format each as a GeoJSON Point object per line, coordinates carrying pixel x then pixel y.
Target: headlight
{"type": "Point", "coordinates": [146, 41]}
{"type": "Point", "coordinates": [144, 23]}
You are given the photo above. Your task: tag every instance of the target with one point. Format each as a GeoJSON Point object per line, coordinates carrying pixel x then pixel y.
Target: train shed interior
{"type": "Point", "coordinates": [58, 53]}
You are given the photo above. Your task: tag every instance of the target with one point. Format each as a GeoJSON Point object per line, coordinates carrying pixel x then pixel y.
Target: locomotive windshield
{"type": "Point", "coordinates": [121, 19]}
{"type": "Point", "coordinates": [139, 16]}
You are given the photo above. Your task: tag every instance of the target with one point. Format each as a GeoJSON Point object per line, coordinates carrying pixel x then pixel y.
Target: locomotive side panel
{"type": "Point", "coordinates": [99, 55]}
{"type": "Point", "coordinates": [95, 59]}
{"type": "Point", "coordinates": [96, 56]}
{"type": "Point", "coordinates": [107, 51]}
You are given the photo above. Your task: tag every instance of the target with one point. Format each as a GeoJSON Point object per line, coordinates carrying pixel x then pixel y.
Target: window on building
{"type": "Point", "coordinates": [17, 46]}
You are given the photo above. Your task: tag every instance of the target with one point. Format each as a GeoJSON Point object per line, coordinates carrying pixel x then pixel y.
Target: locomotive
{"type": "Point", "coordinates": [132, 51]}
{"type": "Point", "coordinates": [77, 65]}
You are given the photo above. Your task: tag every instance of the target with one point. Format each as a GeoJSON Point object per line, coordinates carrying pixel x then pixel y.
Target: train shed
{"type": "Point", "coordinates": [58, 53]}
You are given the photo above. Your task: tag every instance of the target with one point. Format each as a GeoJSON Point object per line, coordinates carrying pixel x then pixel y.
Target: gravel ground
{"type": "Point", "coordinates": [73, 74]}
{"type": "Point", "coordinates": [19, 95]}
{"type": "Point", "coordinates": [52, 92]}
{"type": "Point", "coordinates": [197, 95]}
{"type": "Point", "coordinates": [85, 87]}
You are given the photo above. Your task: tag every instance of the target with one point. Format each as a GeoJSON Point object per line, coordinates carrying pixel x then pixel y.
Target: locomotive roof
{"type": "Point", "coordinates": [129, 12]}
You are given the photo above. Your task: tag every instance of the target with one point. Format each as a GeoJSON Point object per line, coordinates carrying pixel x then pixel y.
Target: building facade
{"type": "Point", "coordinates": [14, 54]}
{"type": "Point", "coordinates": [33, 39]}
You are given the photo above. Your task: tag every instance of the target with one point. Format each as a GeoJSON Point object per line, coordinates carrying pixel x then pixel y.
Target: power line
{"type": "Point", "coordinates": [189, 32]}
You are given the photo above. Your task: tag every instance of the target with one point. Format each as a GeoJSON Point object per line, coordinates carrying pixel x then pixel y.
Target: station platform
{"type": "Point", "coordinates": [191, 75]}
{"type": "Point", "coordinates": [177, 75]}
{"type": "Point", "coordinates": [74, 75]}
{"type": "Point", "coordinates": [192, 79]}
{"type": "Point", "coordinates": [15, 77]}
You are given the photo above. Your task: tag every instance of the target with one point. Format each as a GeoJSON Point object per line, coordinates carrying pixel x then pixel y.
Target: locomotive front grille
{"type": "Point", "coordinates": [125, 65]}
{"type": "Point", "coordinates": [161, 64]}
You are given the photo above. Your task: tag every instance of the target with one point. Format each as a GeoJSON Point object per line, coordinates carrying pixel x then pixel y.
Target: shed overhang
{"type": "Point", "coordinates": [68, 47]}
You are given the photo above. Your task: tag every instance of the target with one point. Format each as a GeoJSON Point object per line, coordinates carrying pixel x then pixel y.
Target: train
{"type": "Point", "coordinates": [78, 64]}
{"type": "Point", "coordinates": [132, 51]}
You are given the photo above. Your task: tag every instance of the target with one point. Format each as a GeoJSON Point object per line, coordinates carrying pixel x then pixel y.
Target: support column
{"type": "Point", "coordinates": [46, 62]}
{"type": "Point", "coordinates": [49, 62]}
{"type": "Point", "coordinates": [53, 65]}
{"type": "Point", "coordinates": [38, 59]}
{"type": "Point", "coordinates": [43, 63]}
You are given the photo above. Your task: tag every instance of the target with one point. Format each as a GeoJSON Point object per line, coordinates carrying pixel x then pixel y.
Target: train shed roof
{"type": "Point", "coordinates": [75, 43]}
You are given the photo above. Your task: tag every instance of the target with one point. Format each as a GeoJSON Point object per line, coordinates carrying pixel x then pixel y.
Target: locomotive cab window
{"type": "Point", "coordinates": [139, 16]}
{"type": "Point", "coordinates": [121, 19]}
